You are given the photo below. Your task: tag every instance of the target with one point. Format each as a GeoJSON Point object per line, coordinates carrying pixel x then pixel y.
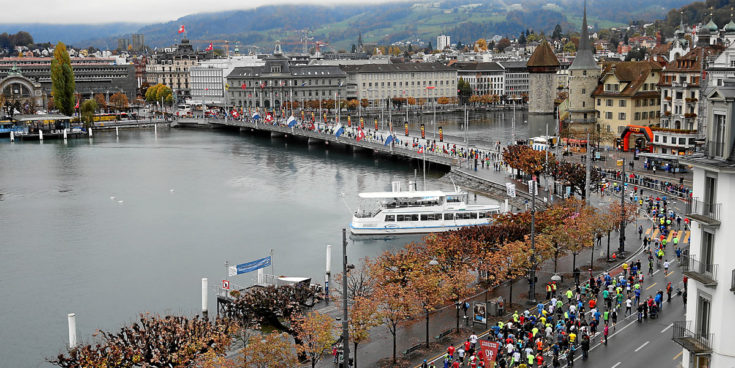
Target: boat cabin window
{"type": "Point", "coordinates": [486, 215]}
{"type": "Point", "coordinates": [449, 216]}
{"type": "Point", "coordinates": [454, 199]}
{"type": "Point", "coordinates": [431, 217]}
{"type": "Point", "coordinates": [407, 217]}
{"type": "Point", "coordinates": [466, 215]}
{"type": "Point", "coordinates": [390, 217]}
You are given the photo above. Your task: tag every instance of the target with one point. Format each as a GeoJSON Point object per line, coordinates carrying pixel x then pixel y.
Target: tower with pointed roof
{"type": "Point", "coordinates": [583, 76]}
{"type": "Point", "coordinates": [542, 68]}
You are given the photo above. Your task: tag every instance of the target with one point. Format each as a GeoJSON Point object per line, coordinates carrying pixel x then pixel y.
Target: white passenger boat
{"type": "Point", "coordinates": [417, 212]}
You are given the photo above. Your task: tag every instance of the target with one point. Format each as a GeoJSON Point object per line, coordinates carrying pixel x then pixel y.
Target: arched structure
{"type": "Point", "coordinates": [635, 129]}
{"type": "Point", "coordinates": [17, 87]}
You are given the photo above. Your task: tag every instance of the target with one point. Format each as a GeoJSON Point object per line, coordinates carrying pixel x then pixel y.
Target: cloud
{"type": "Point", "coordinates": [138, 11]}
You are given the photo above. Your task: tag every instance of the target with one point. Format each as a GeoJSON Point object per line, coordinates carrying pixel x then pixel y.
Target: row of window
{"type": "Point", "coordinates": [623, 103]}
{"type": "Point", "coordinates": [400, 84]}
{"type": "Point", "coordinates": [681, 141]}
{"type": "Point", "coordinates": [438, 216]}
{"type": "Point", "coordinates": [403, 75]}
{"type": "Point", "coordinates": [638, 116]}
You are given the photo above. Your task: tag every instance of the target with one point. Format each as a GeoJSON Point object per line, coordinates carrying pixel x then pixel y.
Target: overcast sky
{"type": "Point", "coordinates": [138, 11]}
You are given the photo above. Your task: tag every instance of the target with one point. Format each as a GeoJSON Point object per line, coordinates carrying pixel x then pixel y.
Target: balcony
{"type": "Point", "coordinates": [706, 273]}
{"type": "Point", "coordinates": [688, 339]}
{"type": "Point", "coordinates": [704, 212]}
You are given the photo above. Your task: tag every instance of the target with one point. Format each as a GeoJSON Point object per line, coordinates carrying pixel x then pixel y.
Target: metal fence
{"type": "Point", "coordinates": [690, 340]}
{"type": "Point", "coordinates": [706, 209]}
{"type": "Point", "coordinates": [706, 270]}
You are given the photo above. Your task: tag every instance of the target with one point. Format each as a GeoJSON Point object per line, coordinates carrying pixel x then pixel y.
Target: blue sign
{"type": "Point", "coordinates": [250, 266]}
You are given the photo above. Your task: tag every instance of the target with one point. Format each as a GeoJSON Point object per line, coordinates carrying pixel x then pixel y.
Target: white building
{"type": "Point", "coordinates": [207, 80]}
{"type": "Point", "coordinates": [484, 78]}
{"type": "Point", "coordinates": [442, 42]}
{"type": "Point", "coordinates": [376, 82]}
{"type": "Point", "coordinates": [707, 334]}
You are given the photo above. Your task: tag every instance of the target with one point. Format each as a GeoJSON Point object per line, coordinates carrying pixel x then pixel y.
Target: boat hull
{"type": "Point", "coordinates": [395, 230]}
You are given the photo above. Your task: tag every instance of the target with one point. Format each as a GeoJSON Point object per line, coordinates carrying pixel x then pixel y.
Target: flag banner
{"type": "Point", "coordinates": [250, 266]}
{"type": "Point", "coordinates": [313, 118]}
{"type": "Point", "coordinates": [441, 134]}
{"type": "Point", "coordinates": [291, 121]}
{"type": "Point", "coordinates": [210, 47]}
{"type": "Point", "coordinates": [421, 150]}
{"type": "Point", "coordinates": [339, 131]}
{"type": "Point", "coordinates": [243, 86]}
{"type": "Point", "coordinates": [181, 29]}
{"type": "Point", "coordinates": [388, 140]}
{"type": "Point", "coordinates": [376, 124]}
{"type": "Point", "coordinates": [325, 117]}
{"type": "Point", "coordinates": [489, 350]}
{"type": "Point", "coordinates": [349, 121]}
{"type": "Point", "coordinates": [303, 115]}
{"type": "Point", "coordinates": [256, 116]}
{"type": "Point", "coordinates": [423, 131]}
{"type": "Point", "coordinates": [362, 123]}
{"type": "Point", "coordinates": [405, 128]}
{"type": "Point", "coordinates": [360, 134]}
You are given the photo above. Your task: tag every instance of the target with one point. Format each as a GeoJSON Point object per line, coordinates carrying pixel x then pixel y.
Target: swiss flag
{"type": "Point", "coordinates": [360, 134]}
{"type": "Point", "coordinates": [235, 114]}
{"type": "Point", "coordinates": [210, 47]}
{"type": "Point", "coordinates": [243, 85]}
{"type": "Point", "coordinates": [421, 149]}
{"type": "Point", "coordinates": [269, 118]}
{"type": "Point", "coordinates": [181, 29]}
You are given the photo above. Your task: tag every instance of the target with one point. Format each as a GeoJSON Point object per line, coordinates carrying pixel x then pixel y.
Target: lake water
{"type": "Point", "coordinates": [118, 226]}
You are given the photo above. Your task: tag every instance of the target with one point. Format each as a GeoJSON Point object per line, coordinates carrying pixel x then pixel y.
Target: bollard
{"type": "Point", "coordinates": [40, 135]}
{"type": "Point", "coordinates": [90, 132]}
{"type": "Point", "coordinates": [12, 136]}
{"type": "Point", "coordinates": [204, 297]}
{"type": "Point", "coordinates": [261, 277]}
{"type": "Point", "coordinates": [328, 273]}
{"type": "Point", "coordinates": [72, 318]}
{"type": "Point", "coordinates": [64, 133]}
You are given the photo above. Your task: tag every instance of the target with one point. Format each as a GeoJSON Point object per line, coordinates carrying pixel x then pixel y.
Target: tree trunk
{"type": "Point", "coordinates": [394, 344]}
{"type": "Point", "coordinates": [510, 295]}
{"type": "Point", "coordinates": [427, 327]}
{"type": "Point", "coordinates": [556, 257]}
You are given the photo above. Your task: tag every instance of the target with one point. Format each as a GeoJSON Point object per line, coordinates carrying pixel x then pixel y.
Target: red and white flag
{"type": "Point", "coordinates": [181, 29]}
{"type": "Point", "coordinates": [77, 105]}
{"type": "Point", "coordinates": [360, 134]}
{"type": "Point", "coordinates": [235, 114]}
{"type": "Point", "coordinates": [210, 47]}
{"type": "Point", "coordinates": [269, 118]}
{"type": "Point", "coordinates": [421, 149]}
{"type": "Point", "coordinates": [243, 85]}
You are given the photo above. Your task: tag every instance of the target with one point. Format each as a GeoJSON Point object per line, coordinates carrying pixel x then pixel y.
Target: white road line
{"type": "Point", "coordinates": [653, 274]}
{"type": "Point", "coordinates": [642, 346]}
{"type": "Point", "coordinates": [616, 364]}
{"type": "Point", "coordinates": [667, 327]}
{"type": "Point", "coordinates": [609, 336]}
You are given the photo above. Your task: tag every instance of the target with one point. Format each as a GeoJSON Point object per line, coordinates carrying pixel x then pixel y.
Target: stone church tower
{"type": "Point", "coordinates": [542, 68]}
{"type": "Point", "coordinates": [584, 74]}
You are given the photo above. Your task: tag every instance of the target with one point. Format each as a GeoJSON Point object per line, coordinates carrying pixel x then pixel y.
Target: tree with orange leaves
{"type": "Point", "coordinates": [525, 159]}
{"type": "Point", "coordinates": [396, 304]}
{"type": "Point", "coordinates": [363, 317]}
{"type": "Point", "coordinates": [271, 350]}
{"type": "Point", "coordinates": [315, 332]}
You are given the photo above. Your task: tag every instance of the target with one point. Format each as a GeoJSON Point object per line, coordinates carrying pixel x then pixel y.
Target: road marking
{"type": "Point", "coordinates": [653, 274]}
{"type": "Point", "coordinates": [667, 327]}
{"type": "Point", "coordinates": [652, 285]}
{"type": "Point", "coordinates": [616, 364]}
{"type": "Point", "coordinates": [677, 355]}
{"type": "Point", "coordinates": [642, 346]}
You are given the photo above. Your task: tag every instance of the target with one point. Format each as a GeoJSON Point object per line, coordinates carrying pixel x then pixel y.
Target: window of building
{"type": "Point", "coordinates": [637, 116]}
{"type": "Point", "coordinates": [621, 103]}
{"type": "Point", "coordinates": [664, 139]}
{"type": "Point", "coordinates": [655, 138]}
{"type": "Point", "coordinates": [621, 116]}
{"type": "Point", "coordinates": [584, 91]}
{"type": "Point", "coordinates": [608, 115]}
{"type": "Point", "coordinates": [609, 102]}
{"type": "Point", "coordinates": [599, 100]}
{"type": "Point", "coordinates": [644, 115]}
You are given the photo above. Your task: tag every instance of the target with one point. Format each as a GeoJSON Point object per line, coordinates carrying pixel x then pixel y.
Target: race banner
{"type": "Point", "coordinates": [489, 351]}
{"type": "Point", "coordinates": [250, 266]}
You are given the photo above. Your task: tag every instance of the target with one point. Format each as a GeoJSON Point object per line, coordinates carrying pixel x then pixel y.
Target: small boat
{"type": "Point", "coordinates": [417, 212]}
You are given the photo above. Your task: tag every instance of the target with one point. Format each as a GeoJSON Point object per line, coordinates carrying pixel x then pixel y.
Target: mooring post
{"type": "Point", "coordinates": [328, 273]}
{"type": "Point", "coordinates": [117, 132]}
{"type": "Point", "coordinates": [40, 135]}
{"type": "Point", "coordinates": [64, 133]}
{"type": "Point", "coordinates": [72, 318]}
{"type": "Point", "coordinates": [205, 283]}
{"type": "Point", "coordinates": [90, 132]}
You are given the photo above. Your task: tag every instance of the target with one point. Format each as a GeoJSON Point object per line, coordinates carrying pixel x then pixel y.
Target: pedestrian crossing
{"type": "Point", "coordinates": [682, 236]}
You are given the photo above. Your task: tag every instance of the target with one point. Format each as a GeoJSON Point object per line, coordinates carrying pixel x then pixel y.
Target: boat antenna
{"type": "Point", "coordinates": [342, 195]}
{"type": "Point", "coordinates": [456, 188]}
